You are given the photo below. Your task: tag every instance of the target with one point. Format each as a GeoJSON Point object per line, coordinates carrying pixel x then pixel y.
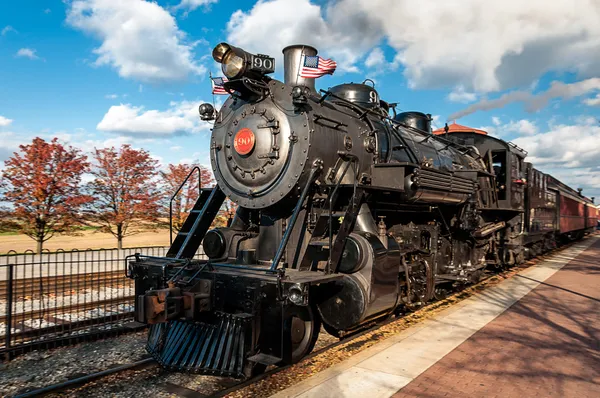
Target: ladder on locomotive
{"type": "Point", "coordinates": [198, 221]}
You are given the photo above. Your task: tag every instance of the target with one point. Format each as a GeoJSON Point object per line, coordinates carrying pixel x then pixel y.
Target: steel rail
{"type": "Point", "coordinates": [52, 311]}
{"type": "Point", "coordinates": [87, 378]}
{"type": "Point", "coordinates": [62, 283]}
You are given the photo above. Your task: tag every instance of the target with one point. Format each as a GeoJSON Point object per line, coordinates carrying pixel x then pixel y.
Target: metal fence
{"type": "Point", "coordinates": [65, 296]}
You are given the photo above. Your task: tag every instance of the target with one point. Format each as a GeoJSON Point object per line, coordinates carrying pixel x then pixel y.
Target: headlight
{"type": "Point", "coordinates": [206, 111]}
{"type": "Point", "coordinates": [232, 65]}
{"type": "Point", "coordinates": [220, 50]}
{"type": "Point", "coordinates": [297, 294]}
{"type": "Point", "coordinates": [237, 62]}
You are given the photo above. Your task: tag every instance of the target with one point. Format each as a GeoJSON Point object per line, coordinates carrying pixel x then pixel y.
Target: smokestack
{"type": "Point", "coordinates": [292, 59]}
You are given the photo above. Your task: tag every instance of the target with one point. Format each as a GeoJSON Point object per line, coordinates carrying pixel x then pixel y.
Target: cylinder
{"type": "Point", "coordinates": [292, 63]}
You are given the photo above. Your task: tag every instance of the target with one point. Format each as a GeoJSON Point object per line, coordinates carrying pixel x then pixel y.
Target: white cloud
{"type": "Point", "coordinates": [595, 101]}
{"type": "Point", "coordinates": [191, 5]}
{"type": "Point", "coordinates": [4, 121]}
{"type": "Point", "coordinates": [522, 127]}
{"type": "Point", "coordinates": [345, 36]}
{"type": "Point", "coordinates": [140, 39]}
{"type": "Point", "coordinates": [111, 96]}
{"type": "Point", "coordinates": [47, 11]}
{"type": "Point", "coordinates": [459, 94]}
{"type": "Point", "coordinates": [375, 59]}
{"type": "Point", "coordinates": [181, 118]}
{"type": "Point", "coordinates": [27, 53]}
{"type": "Point", "coordinates": [568, 152]}
{"type": "Point", "coordinates": [7, 29]}
{"type": "Point", "coordinates": [435, 121]}
{"type": "Point", "coordinates": [484, 47]}
{"type": "Point", "coordinates": [9, 143]}
{"type": "Point", "coordinates": [62, 136]}
{"type": "Point", "coordinates": [176, 148]}
{"type": "Point", "coordinates": [570, 146]}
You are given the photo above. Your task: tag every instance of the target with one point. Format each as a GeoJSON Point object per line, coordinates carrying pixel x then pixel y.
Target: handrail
{"type": "Point", "coordinates": [177, 193]}
{"type": "Point", "coordinates": [312, 177]}
{"type": "Point", "coordinates": [352, 160]}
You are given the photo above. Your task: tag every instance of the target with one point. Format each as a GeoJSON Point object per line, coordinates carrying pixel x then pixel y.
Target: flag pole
{"type": "Point", "coordinates": [212, 89]}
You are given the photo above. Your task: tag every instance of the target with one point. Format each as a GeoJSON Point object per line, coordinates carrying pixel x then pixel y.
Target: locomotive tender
{"type": "Point", "coordinates": [345, 216]}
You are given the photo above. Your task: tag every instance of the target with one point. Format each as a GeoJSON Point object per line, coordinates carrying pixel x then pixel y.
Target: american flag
{"type": "Point", "coordinates": [217, 85]}
{"type": "Point", "coordinates": [315, 66]}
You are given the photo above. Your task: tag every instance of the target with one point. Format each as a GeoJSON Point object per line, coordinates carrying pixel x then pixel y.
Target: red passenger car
{"type": "Point", "coordinates": [577, 214]}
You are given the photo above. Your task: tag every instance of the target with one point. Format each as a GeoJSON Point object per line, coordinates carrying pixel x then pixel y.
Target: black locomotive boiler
{"type": "Point", "coordinates": [345, 215]}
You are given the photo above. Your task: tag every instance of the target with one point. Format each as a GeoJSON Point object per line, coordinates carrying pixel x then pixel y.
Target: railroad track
{"type": "Point", "coordinates": [60, 284]}
{"type": "Point", "coordinates": [149, 363]}
{"type": "Point", "coordinates": [44, 308]}
{"type": "Point", "coordinates": [88, 378]}
{"type": "Point", "coordinates": [56, 311]}
{"type": "Point", "coordinates": [189, 393]}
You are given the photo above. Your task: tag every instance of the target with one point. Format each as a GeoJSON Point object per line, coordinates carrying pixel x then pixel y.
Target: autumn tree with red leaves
{"type": "Point", "coordinates": [42, 182]}
{"type": "Point", "coordinates": [125, 191]}
{"type": "Point", "coordinates": [183, 203]}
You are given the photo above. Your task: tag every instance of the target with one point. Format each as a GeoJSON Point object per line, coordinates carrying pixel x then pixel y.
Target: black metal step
{"type": "Point", "coordinates": [334, 214]}
{"type": "Point", "coordinates": [324, 244]}
{"type": "Point", "coordinates": [265, 359]}
{"type": "Point", "coordinates": [194, 228]}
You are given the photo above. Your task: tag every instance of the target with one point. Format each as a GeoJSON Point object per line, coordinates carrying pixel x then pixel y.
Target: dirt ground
{"type": "Point", "coordinates": [87, 240]}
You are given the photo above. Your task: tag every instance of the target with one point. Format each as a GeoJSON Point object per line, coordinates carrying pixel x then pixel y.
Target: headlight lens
{"type": "Point", "coordinates": [232, 65]}
{"type": "Point", "coordinates": [220, 50]}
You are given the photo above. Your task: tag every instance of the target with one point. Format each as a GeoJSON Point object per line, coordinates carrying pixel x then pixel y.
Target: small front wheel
{"type": "Point", "coordinates": [304, 326]}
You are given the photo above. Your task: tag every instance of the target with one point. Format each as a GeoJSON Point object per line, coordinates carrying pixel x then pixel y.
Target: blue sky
{"type": "Point", "coordinates": [104, 72]}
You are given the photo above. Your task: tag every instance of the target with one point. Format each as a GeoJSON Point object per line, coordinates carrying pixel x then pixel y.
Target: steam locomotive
{"type": "Point", "coordinates": [347, 213]}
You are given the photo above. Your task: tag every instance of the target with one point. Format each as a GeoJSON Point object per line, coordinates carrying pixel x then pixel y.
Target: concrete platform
{"type": "Point", "coordinates": [536, 334]}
